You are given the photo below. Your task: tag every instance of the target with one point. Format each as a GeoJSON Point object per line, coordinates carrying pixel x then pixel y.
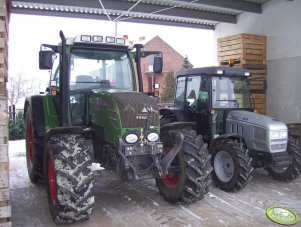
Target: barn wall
{"type": "Point", "coordinates": [280, 23]}
{"type": "Point", "coordinates": [5, 208]}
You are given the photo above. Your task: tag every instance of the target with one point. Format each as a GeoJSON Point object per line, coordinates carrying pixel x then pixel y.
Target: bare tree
{"type": "Point", "coordinates": [34, 86]}
{"type": "Point", "coordinates": [16, 88]}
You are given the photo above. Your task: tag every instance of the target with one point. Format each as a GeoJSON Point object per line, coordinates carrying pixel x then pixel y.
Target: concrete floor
{"type": "Point", "coordinates": [139, 203]}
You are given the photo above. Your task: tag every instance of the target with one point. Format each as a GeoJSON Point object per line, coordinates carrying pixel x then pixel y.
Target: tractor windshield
{"type": "Point", "coordinates": [230, 92]}
{"type": "Point", "coordinates": [105, 69]}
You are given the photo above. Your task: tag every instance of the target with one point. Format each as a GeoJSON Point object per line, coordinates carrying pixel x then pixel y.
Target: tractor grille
{"type": "Point", "coordinates": [132, 107]}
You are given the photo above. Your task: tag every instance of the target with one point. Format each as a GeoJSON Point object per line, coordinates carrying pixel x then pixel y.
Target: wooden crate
{"type": "Point", "coordinates": [242, 48]}
{"type": "Point", "coordinates": [257, 84]}
{"type": "Point", "coordinates": [257, 81]}
{"type": "Point", "coordinates": [259, 101]}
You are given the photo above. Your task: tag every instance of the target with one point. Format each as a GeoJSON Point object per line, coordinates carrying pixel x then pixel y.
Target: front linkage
{"type": "Point", "coordinates": [155, 151]}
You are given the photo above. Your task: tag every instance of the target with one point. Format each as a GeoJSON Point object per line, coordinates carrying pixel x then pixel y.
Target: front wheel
{"type": "Point", "coordinates": [292, 171]}
{"type": "Point", "coordinates": [232, 165]}
{"type": "Point", "coordinates": [189, 175]}
{"type": "Point", "coordinates": [69, 178]}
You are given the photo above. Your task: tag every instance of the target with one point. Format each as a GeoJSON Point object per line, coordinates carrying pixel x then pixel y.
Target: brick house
{"type": "Point", "coordinates": [172, 62]}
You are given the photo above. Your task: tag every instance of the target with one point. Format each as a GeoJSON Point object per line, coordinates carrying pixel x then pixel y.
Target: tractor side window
{"type": "Point", "coordinates": [180, 92]}
{"type": "Point", "coordinates": [193, 87]}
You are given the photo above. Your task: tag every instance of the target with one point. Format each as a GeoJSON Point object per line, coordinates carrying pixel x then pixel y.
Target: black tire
{"type": "Point", "coordinates": [69, 178]}
{"type": "Point", "coordinates": [232, 165]}
{"type": "Point", "coordinates": [34, 152]}
{"type": "Point", "coordinates": [292, 171]}
{"type": "Point", "coordinates": [191, 175]}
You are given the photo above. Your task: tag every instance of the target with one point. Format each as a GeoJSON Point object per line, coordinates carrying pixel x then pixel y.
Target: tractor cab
{"type": "Point", "coordinates": [94, 68]}
{"type": "Point", "coordinates": [210, 93]}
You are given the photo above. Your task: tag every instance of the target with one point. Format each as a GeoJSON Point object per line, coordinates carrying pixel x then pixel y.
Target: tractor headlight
{"type": "Point", "coordinates": [275, 134]}
{"type": "Point", "coordinates": [278, 134]}
{"type": "Point", "coordinates": [283, 134]}
{"type": "Point", "coordinates": [152, 137]}
{"type": "Point", "coordinates": [131, 138]}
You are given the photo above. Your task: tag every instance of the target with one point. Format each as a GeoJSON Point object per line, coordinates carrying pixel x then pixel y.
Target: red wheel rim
{"type": "Point", "coordinates": [51, 180]}
{"type": "Point", "coordinates": [30, 142]}
{"type": "Point", "coordinates": [170, 181]}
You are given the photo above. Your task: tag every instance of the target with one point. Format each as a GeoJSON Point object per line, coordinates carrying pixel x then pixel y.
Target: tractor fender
{"type": "Point", "coordinates": [166, 112]}
{"type": "Point", "coordinates": [37, 110]}
{"type": "Point", "coordinates": [178, 114]}
{"type": "Point", "coordinates": [177, 126]}
{"type": "Point", "coordinates": [63, 130]}
{"type": "Point", "coordinates": [224, 137]}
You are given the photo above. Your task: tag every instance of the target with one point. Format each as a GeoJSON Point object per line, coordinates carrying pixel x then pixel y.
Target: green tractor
{"type": "Point", "coordinates": [92, 112]}
{"type": "Point", "coordinates": [218, 99]}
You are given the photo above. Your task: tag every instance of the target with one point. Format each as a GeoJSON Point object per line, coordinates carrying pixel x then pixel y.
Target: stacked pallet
{"type": "Point", "coordinates": [257, 85]}
{"type": "Point", "coordinates": [247, 51]}
{"type": "Point", "coordinates": [5, 208]}
{"type": "Point", "coordinates": [242, 48]}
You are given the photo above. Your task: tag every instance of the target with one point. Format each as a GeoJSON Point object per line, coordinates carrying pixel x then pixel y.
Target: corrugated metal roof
{"type": "Point", "coordinates": [185, 13]}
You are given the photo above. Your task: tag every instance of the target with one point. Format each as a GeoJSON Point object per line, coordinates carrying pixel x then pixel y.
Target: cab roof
{"type": "Point", "coordinates": [215, 71]}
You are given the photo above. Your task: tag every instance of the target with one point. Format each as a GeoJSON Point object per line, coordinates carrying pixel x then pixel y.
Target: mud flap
{"type": "Point", "coordinates": [64, 130]}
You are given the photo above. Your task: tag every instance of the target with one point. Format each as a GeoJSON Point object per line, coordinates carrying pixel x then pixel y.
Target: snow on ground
{"type": "Point", "coordinates": [123, 204]}
{"type": "Point", "coordinates": [17, 147]}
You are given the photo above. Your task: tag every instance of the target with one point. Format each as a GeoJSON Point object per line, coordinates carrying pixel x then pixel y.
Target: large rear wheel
{"type": "Point", "coordinates": [291, 171]}
{"type": "Point", "coordinates": [34, 153]}
{"type": "Point", "coordinates": [69, 178]}
{"type": "Point", "coordinates": [232, 165]}
{"type": "Point", "coordinates": [189, 175]}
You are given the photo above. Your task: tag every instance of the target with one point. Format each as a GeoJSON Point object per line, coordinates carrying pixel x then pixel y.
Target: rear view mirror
{"type": "Point", "coordinates": [46, 59]}
{"type": "Point", "coordinates": [158, 64]}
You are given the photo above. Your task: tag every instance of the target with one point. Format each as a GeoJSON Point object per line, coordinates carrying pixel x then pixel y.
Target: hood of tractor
{"type": "Point", "coordinates": [256, 119]}
{"type": "Point", "coordinates": [118, 112]}
{"type": "Point", "coordinates": [135, 108]}
{"type": "Point", "coordinates": [260, 132]}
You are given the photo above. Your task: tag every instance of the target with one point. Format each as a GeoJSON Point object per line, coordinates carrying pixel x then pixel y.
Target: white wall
{"type": "Point", "coordinates": [280, 22]}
